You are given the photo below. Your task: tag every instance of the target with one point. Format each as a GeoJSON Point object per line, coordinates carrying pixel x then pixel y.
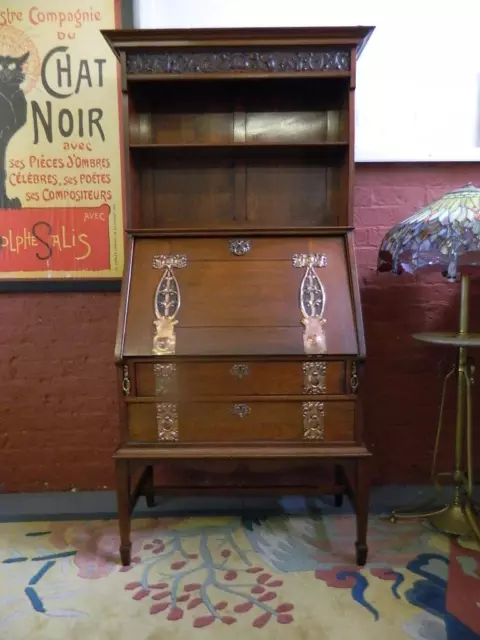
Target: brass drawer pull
{"type": "Point", "coordinates": [126, 381]}
{"type": "Point", "coordinates": [313, 421]}
{"type": "Point", "coordinates": [164, 378]}
{"type": "Point", "coordinates": [167, 422]}
{"type": "Point", "coordinates": [354, 378]}
{"type": "Point", "coordinates": [241, 410]}
{"type": "Point", "coordinates": [240, 370]}
{"type": "Point", "coordinates": [239, 247]}
{"type": "Point", "coordinates": [314, 377]}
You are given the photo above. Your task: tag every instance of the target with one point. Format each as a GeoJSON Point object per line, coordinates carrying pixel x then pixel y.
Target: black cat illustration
{"type": "Point", "coordinates": [13, 116]}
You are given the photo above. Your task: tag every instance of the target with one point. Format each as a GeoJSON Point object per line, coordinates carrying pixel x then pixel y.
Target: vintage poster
{"type": "Point", "coordinates": [61, 195]}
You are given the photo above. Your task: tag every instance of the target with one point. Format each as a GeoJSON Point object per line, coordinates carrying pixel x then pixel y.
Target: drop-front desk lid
{"type": "Point", "coordinates": [220, 294]}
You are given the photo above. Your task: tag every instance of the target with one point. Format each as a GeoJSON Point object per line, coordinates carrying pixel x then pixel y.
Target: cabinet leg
{"type": "Point", "coordinates": [122, 468]}
{"type": "Point", "coordinates": [338, 473]}
{"type": "Point", "coordinates": [362, 499]}
{"type": "Point", "coordinates": [149, 487]}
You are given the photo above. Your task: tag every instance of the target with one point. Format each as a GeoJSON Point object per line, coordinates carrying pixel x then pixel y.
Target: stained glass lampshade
{"type": "Point", "coordinates": [444, 235]}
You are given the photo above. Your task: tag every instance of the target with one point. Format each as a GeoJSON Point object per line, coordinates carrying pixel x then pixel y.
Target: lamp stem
{"type": "Point", "coordinates": [461, 373]}
{"type": "Point", "coordinates": [464, 295]}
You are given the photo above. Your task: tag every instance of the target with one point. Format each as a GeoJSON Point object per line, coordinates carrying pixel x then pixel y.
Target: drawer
{"type": "Point", "coordinates": [242, 378]}
{"type": "Point", "coordinates": [260, 420]}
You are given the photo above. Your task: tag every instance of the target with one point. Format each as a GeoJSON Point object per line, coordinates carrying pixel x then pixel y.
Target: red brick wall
{"type": "Point", "coordinates": [58, 388]}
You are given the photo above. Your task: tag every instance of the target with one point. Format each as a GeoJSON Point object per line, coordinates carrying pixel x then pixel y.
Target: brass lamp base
{"type": "Point", "coordinates": [456, 519]}
{"type": "Point", "coordinates": [460, 517]}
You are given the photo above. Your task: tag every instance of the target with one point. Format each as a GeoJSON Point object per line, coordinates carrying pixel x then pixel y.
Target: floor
{"type": "Point", "coordinates": [224, 568]}
{"type": "Point", "coordinates": [101, 504]}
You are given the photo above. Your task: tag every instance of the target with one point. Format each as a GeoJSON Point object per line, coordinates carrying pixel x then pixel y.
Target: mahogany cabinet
{"type": "Point", "coordinates": [240, 342]}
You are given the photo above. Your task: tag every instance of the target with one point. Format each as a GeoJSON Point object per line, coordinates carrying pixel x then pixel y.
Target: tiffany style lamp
{"type": "Point", "coordinates": [445, 236]}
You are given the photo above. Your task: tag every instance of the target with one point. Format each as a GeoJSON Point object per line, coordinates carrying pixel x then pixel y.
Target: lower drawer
{"type": "Point", "coordinates": [221, 422]}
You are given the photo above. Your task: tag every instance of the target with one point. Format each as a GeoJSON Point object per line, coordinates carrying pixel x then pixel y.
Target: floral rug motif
{"type": "Point", "coordinates": [290, 577]}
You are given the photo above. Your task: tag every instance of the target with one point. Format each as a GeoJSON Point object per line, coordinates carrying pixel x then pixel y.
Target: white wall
{"type": "Point", "coordinates": [418, 88]}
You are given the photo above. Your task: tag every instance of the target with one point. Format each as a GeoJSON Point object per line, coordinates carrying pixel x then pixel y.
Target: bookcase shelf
{"type": "Point", "coordinates": [271, 185]}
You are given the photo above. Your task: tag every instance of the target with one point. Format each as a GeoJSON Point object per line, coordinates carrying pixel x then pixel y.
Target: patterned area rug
{"type": "Point", "coordinates": [228, 577]}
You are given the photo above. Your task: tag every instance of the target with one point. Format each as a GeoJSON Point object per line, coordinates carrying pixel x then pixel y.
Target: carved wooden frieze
{"type": "Point", "coordinates": [245, 61]}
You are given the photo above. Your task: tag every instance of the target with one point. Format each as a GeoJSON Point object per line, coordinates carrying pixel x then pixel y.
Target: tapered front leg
{"type": "Point", "coordinates": [362, 500]}
{"type": "Point", "coordinates": [123, 507]}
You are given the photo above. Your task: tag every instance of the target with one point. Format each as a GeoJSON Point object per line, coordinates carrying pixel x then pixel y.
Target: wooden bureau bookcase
{"type": "Point", "coordinates": [240, 341]}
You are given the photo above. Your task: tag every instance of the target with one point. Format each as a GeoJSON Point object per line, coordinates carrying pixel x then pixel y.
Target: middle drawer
{"type": "Point", "coordinates": [239, 378]}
